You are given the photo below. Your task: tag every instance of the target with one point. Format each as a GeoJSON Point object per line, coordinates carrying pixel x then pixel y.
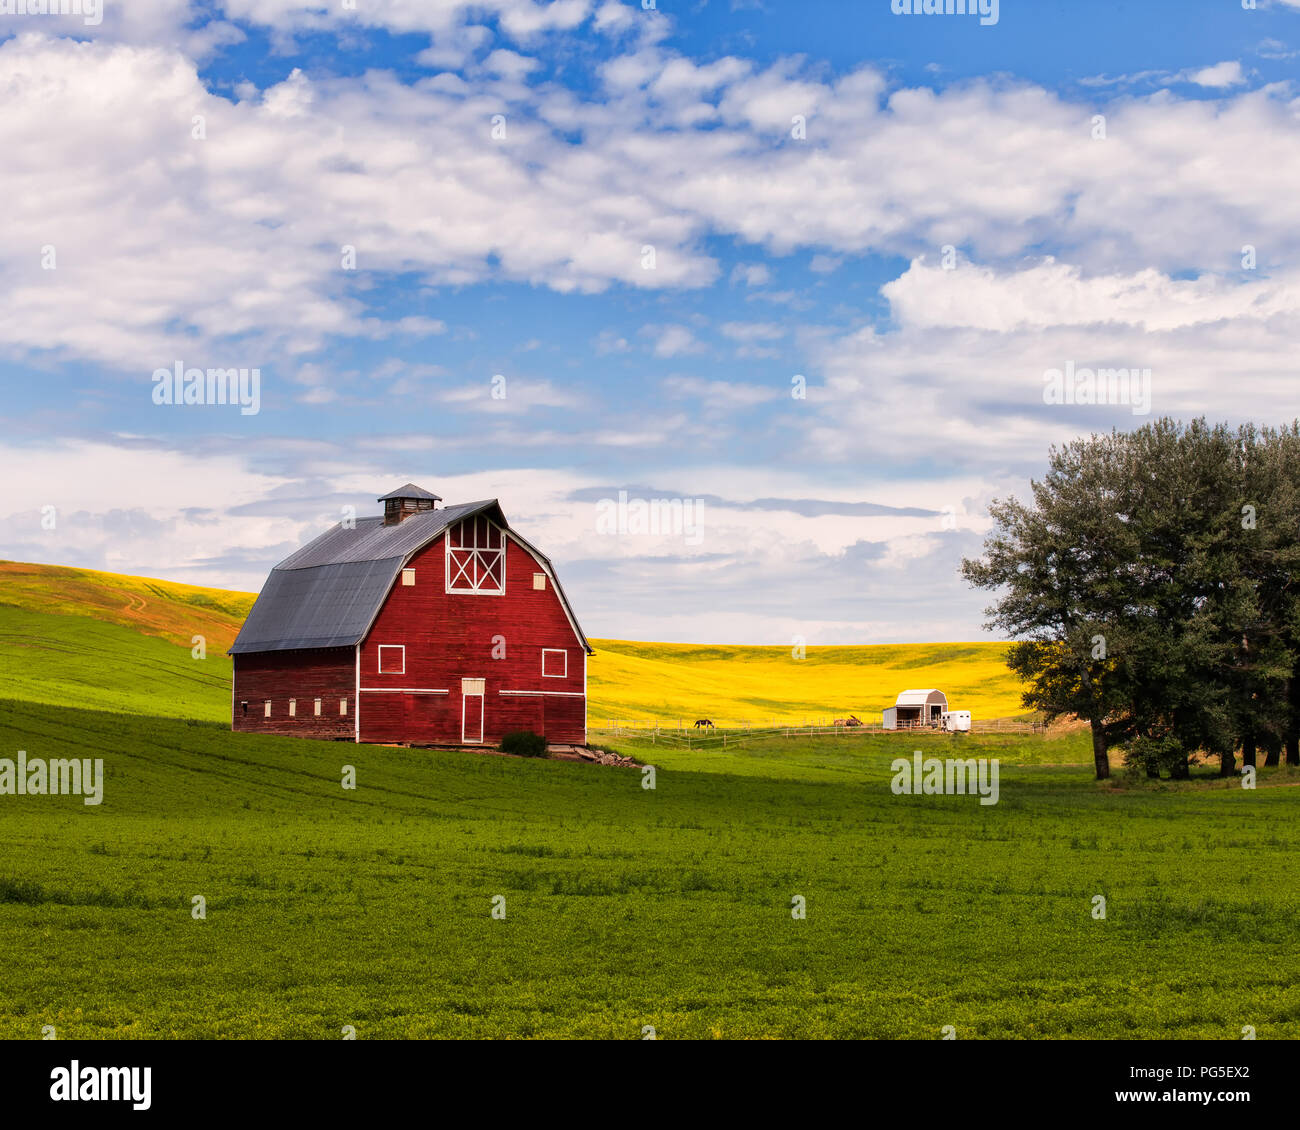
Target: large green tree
{"type": "Point", "coordinates": [1148, 584]}
{"type": "Point", "coordinates": [1060, 566]}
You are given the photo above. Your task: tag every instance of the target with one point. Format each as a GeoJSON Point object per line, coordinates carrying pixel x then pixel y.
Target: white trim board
{"type": "Point", "coordinates": [402, 690]}
{"type": "Point", "coordinates": [562, 694]}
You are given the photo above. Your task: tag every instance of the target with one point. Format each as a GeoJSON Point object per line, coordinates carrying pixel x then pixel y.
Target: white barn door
{"type": "Point", "coordinates": [471, 711]}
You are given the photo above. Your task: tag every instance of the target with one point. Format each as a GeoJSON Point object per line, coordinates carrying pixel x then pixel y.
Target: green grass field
{"type": "Point", "coordinates": [624, 906]}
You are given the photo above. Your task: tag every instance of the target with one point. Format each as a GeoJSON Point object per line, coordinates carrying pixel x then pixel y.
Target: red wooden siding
{"type": "Point", "coordinates": [325, 673]}
{"type": "Point", "coordinates": [452, 636]}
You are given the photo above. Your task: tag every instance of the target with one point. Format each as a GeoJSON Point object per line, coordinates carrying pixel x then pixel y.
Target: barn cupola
{"type": "Point", "coordinates": [405, 501]}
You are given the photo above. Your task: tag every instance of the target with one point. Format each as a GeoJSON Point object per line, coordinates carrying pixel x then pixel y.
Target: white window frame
{"type": "Point", "coordinates": [343, 708]}
{"type": "Point", "coordinates": [552, 650]}
{"type": "Point", "coordinates": [318, 703]}
{"type": "Point", "coordinates": [266, 708]}
{"type": "Point", "coordinates": [379, 664]}
{"type": "Point", "coordinates": [408, 577]}
{"type": "Point", "coordinates": [539, 582]}
{"type": "Point", "coordinates": [293, 708]}
{"type": "Point", "coordinates": [477, 554]}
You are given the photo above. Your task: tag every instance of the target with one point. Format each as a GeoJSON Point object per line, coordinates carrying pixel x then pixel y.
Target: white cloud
{"type": "Point", "coordinates": [751, 274]}
{"type": "Point", "coordinates": [672, 341]}
{"type": "Point", "coordinates": [1228, 73]}
{"type": "Point", "coordinates": [513, 395]}
{"type": "Point", "coordinates": [750, 332]}
{"type": "Point", "coordinates": [166, 241]}
{"type": "Point", "coordinates": [960, 377]}
{"type": "Point", "coordinates": [752, 575]}
{"type": "Point", "coordinates": [1059, 294]}
{"type": "Point", "coordinates": [728, 396]}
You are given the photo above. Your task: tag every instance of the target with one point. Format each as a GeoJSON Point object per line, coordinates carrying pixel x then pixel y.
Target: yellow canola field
{"type": "Point", "coordinates": [670, 681]}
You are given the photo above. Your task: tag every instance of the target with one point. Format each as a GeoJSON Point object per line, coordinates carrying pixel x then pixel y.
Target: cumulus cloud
{"type": "Point", "coordinates": [165, 238]}
{"type": "Point", "coordinates": [751, 572]}
{"type": "Point", "coordinates": [959, 377]}
{"type": "Point", "coordinates": [1228, 73]}
{"type": "Point", "coordinates": [672, 341]}
{"type": "Point", "coordinates": [149, 218]}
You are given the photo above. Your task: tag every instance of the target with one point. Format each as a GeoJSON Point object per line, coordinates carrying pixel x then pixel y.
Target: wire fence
{"type": "Point", "coordinates": [726, 733]}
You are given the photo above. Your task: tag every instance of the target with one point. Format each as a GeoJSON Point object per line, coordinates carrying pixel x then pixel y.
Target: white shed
{"type": "Point", "coordinates": [916, 708]}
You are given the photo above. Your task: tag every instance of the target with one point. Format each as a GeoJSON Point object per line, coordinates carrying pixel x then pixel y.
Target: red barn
{"type": "Point", "coordinates": [429, 625]}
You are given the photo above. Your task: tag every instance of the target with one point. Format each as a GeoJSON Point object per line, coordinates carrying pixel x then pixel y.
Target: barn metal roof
{"type": "Point", "coordinates": [328, 593]}
{"type": "Point", "coordinates": [409, 491]}
{"type": "Point", "coordinates": [918, 698]}
{"type": "Point", "coordinates": [371, 540]}
{"type": "Point", "coordinates": [324, 606]}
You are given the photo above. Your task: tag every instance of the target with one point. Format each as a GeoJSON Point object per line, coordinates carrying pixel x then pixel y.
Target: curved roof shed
{"type": "Point", "coordinates": [929, 697]}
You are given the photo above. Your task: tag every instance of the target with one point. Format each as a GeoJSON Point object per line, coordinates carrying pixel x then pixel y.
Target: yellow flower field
{"type": "Point", "coordinates": [671, 681]}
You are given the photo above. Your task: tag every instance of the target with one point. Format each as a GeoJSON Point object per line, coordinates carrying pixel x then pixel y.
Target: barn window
{"type": "Point", "coordinates": [266, 709]}
{"type": "Point", "coordinates": [555, 663]}
{"type": "Point", "coordinates": [472, 686]}
{"type": "Point", "coordinates": [293, 708]}
{"type": "Point", "coordinates": [476, 557]}
{"type": "Point", "coordinates": [539, 580]}
{"type": "Point", "coordinates": [394, 663]}
{"type": "Point", "coordinates": [343, 706]}
{"type": "Point", "coordinates": [318, 708]}
{"type": "Point", "coordinates": [244, 706]}
{"type": "Point", "coordinates": [408, 576]}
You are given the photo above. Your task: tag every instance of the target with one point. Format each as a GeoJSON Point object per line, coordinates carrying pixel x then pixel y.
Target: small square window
{"type": "Point", "coordinates": [318, 708]}
{"type": "Point", "coordinates": [343, 706]}
{"type": "Point", "coordinates": [408, 576]}
{"type": "Point", "coordinates": [392, 659]}
{"type": "Point", "coordinates": [539, 580]}
{"type": "Point", "coordinates": [555, 663]}
{"type": "Point", "coordinates": [293, 708]}
{"type": "Point", "coordinates": [266, 709]}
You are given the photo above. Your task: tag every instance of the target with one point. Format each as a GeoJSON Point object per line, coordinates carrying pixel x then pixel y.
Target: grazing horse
{"type": "Point", "coordinates": [704, 724]}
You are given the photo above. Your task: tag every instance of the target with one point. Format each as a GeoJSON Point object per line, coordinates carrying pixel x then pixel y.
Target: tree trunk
{"type": "Point", "coordinates": [1273, 746]}
{"type": "Point", "coordinates": [1228, 764]}
{"type": "Point", "coordinates": [1180, 770]}
{"type": "Point", "coordinates": [1100, 756]}
{"type": "Point", "coordinates": [1293, 720]}
{"type": "Point", "coordinates": [1248, 750]}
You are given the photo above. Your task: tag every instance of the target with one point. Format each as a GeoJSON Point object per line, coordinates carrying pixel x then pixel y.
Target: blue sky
{"type": "Point", "coordinates": [916, 218]}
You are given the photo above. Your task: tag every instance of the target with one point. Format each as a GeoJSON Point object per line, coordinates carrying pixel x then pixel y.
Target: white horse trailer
{"type": "Point", "coordinates": [956, 721]}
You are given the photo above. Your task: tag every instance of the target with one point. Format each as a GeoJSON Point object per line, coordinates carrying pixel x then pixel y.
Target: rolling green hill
{"type": "Point", "coordinates": [80, 638]}
{"type": "Point", "coordinates": [94, 631]}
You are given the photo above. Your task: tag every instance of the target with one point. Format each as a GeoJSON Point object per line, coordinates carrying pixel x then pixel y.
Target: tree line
{"type": "Point", "coordinates": [1148, 584]}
